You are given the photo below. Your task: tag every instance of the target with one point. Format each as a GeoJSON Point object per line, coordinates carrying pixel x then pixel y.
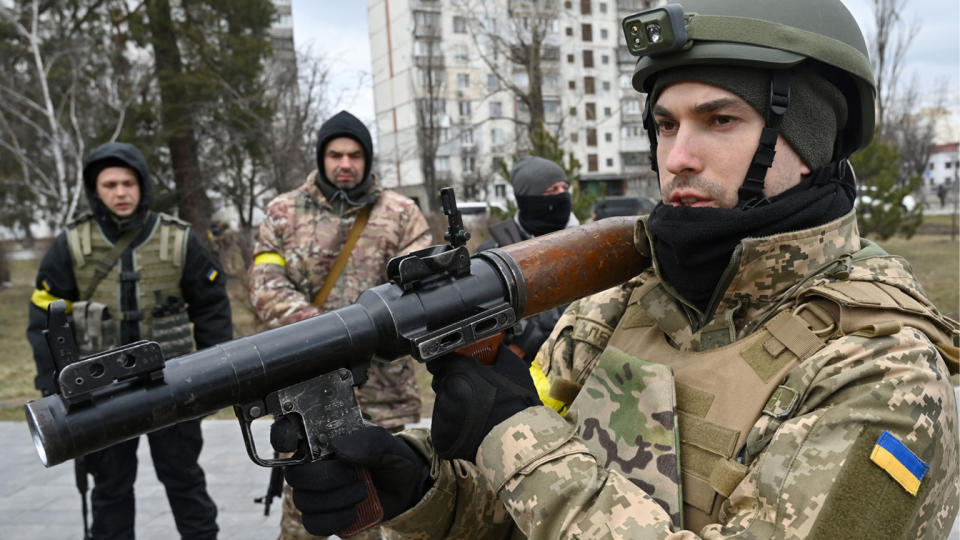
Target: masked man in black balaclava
{"type": "Point", "coordinates": [543, 206]}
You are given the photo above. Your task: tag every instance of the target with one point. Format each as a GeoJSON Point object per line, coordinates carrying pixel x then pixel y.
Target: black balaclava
{"type": "Point", "coordinates": [116, 154]}
{"type": "Point", "coordinates": [693, 245]}
{"type": "Point", "coordinates": [538, 213]}
{"type": "Point", "coordinates": [344, 124]}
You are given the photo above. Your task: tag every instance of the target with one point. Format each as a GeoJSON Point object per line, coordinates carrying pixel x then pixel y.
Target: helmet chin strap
{"type": "Point", "coordinates": [751, 192]}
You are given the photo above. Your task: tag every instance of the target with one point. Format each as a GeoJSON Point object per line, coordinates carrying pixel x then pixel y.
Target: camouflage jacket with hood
{"type": "Point", "coordinates": [302, 234]}
{"type": "Point", "coordinates": [809, 465]}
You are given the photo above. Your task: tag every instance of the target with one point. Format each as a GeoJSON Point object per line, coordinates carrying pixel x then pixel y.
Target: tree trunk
{"type": "Point", "coordinates": [176, 117]}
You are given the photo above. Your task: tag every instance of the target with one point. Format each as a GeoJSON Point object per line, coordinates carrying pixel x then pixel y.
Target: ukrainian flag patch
{"type": "Point", "coordinates": [900, 463]}
{"type": "Point", "coordinates": [211, 274]}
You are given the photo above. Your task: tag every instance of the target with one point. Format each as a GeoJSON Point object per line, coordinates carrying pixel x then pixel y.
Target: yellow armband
{"type": "Point", "coordinates": [270, 257]}
{"type": "Point", "coordinates": [43, 299]}
{"type": "Point", "coordinates": [543, 389]}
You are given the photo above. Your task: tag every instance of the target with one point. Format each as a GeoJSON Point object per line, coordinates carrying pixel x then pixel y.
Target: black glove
{"type": "Point", "coordinates": [328, 491]}
{"type": "Point", "coordinates": [472, 398]}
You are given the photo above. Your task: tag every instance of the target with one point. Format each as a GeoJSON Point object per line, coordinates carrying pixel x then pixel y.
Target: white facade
{"type": "Point", "coordinates": [589, 104]}
{"type": "Point", "coordinates": [942, 168]}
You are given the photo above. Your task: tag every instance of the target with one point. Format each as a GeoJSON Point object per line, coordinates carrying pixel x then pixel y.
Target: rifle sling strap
{"type": "Point", "coordinates": [343, 257]}
{"type": "Point", "coordinates": [103, 266]}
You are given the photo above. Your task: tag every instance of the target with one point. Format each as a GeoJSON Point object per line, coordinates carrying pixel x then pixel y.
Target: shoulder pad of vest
{"type": "Point", "coordinates": [868, 250]}
{"type": "Point", "coordinates": [167, 219]}
{"type": "Point", "coordinates": [86, 216]}
{"type": "Point", "coordinates": [876, 302]}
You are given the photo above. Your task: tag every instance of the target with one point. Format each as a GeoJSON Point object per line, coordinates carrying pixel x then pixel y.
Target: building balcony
{"type": "Point", "coordinates": [634, 144]}
{"type": "Point", "coordinates": [426, 61]}
{"type": "Point", "coordinates": [427, 31]}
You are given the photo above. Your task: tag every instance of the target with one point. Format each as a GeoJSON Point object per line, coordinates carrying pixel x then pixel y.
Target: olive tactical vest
{"type": "Point", "coordinates": [720, 393]}
{"type": "Point", "coordinates": [158, 264]}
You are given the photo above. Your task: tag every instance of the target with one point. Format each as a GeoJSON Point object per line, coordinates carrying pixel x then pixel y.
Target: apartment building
{"type": "Point", "coordinates": [449, 99]}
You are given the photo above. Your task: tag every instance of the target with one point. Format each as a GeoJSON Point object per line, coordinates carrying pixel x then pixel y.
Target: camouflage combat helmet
{"type": "Point", "coordinates": [773, 35]}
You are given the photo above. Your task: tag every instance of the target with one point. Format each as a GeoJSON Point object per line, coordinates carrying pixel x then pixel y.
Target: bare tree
{"type": "Point", "coordinates": [901, 119]}
{"type": "Point", "coordinates": [260, 155]}
{"type": "Point", "coordinates": [431, 110]}
{"type": "Point", "coordinates": [512, 39]}
{"type": "Point", "coordinates": [889, 44]}
{"type": "Point", "coordinates": [58, 90]}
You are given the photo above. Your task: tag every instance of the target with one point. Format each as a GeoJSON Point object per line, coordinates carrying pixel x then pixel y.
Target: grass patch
{"type": "Point", "coordinates": [936, 263]}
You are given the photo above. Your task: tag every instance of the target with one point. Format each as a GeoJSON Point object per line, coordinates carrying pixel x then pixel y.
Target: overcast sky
{"type": "Point", "coordinates": [337, 30]}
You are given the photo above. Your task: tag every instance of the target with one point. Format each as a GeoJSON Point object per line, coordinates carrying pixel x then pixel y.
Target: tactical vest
{"type": "Point", "coordinates": [158, 264]}
{"type": "Point", "coordinates": [720, 393]}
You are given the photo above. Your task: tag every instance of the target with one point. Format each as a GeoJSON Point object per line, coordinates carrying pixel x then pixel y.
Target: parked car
{"type": "Point", "coordinates": [477, 213]}
{"type": "Point", "coordinates": [623, 206]}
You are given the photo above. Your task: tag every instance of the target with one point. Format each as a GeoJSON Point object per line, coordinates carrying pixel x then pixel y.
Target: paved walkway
{"type": "Point", "coordinates": [37, 503]}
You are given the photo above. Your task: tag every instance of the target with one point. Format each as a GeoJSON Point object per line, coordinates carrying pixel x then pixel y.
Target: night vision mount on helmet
{"type": "Point", "coordinates": [774, 35]}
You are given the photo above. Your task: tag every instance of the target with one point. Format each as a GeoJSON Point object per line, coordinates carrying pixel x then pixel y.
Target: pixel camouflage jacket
{"type": "Point", "coordinates": [810, 474]}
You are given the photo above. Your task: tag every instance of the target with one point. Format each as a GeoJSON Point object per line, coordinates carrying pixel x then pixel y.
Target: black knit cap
{"type": "Point", "coordinates": [816, 112]}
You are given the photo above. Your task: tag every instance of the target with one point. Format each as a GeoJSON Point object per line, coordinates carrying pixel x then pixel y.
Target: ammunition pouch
{"type": "Point", "coordinates": [95, 328]}
{"type": "Point", "coordinates": [170, 328]}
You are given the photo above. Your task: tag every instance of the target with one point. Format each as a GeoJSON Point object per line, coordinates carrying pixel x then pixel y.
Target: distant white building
{"type": "Point", "coordinates": [943, 165]}
{"type": "Point", "coordinates": [588, 98]}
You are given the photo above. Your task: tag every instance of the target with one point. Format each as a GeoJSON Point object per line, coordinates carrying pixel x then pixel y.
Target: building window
{"type": "Point", "coordinates": [631, 106]}
{"type": "Point", "coordinates": [632, 131]}
{"type": "Point", "coordinates": [469, 163]}
{"type": "Point", "coordinates": [492, 82]}
{"type": "Point", "coordinates": [592, 163]}
{"type": "Point", "coordinates": [461, 54]}
{"type": "Point", "coordinates": [609, 162]}
{"type": "Point", "coordinates": [591, 137]}
{"type": "Point", "coordinates": [570, 59]}
{"type": "Point", "coordinates": [574, 137]}
{"type": "Point", "coordinates": [570, 31]}
{"type": "Point", "coordinates": [626, 81]}
{"type": "Point", "coordinates": [604, 34]}
{"type": "Point", "coordinates": [572, 85]}
{"type": "Point", "coordinates": [606, 86]}
{"type": "Point", "coordinates": [603, 7]}
{"type": "Point", "coordinates": [589, 85]}
{"type": "Point", "coordinates": [430, 77]}
{"type": "Point", "coordinates": [607, 112]}
{"type": "Point", "coordinates": [605, 59]}
{"type": "Point", "coordinates": [584, 7]}
{"type": "Point", "coordinates": [586, 32]}
{"type": "Point", "coordinates": [496, 109]}
{"type": "Point", "coordinates": [426, 21]}
{"type": "Point", "coordinates": [463, 81]}
{"type": "Point", "coordinates": [550, 106]}
{"type": "Point", "coordinates": [568, 5]}
{"type": "Point", "coordinates": [442, 163]}
{"type": "Point", "coordinates": [608, 136]}
{"type": "Point", "coordinates": [590, 111]}
{"type": "Point", "coordinates": [496, 136]}
{"type": "Point", "coordinates": [459, 25]}
{"type": "Point", "coordinates": [466, 137]}
{"type": "Point", "coordinates": [499, 190]}
{"type": "Point", "coordinates": [464, 108]}
{"type": "Point", "coordinates": [573, 111]}
{"type": "Point", "coordinates": [588, 59]}
{"type": "Point", "coordinates": [521, 79]}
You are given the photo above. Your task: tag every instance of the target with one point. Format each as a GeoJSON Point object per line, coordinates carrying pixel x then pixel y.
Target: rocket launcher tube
{"type": "Point", "coordinates": [436, 315]}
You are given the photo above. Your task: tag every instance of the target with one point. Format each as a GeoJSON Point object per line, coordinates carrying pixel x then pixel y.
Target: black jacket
{"type": "Point", "coordinates": [208, 303]}
{"type": "Point", "coordinates": [530, 333]}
